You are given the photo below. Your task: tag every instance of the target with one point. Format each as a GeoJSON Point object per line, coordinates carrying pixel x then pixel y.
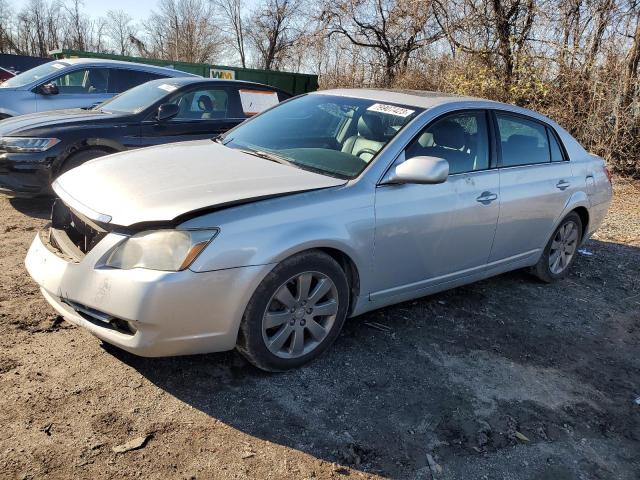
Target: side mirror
{"type": "Point", "coordinates": [49, 89]}
{"type": "Point", "coordinates": [167, 111]}
{"type": "Point", "coordinates": [424, 170]}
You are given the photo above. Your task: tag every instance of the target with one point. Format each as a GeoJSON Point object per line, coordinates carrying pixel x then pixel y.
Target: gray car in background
{"type": "Point", "coordinates": [326, 206]}
{"type": "Point", "coordinates": [74, 83]}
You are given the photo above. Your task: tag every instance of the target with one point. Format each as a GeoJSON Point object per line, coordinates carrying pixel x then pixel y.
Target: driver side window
{"type": "Point", "coordinates": [460, 138]}
{"type": "Point", "coordinates": [83, 81]}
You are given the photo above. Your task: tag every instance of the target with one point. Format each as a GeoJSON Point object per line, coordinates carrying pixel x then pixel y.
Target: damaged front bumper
{"type": "Point", "coordinates": [146, 312]}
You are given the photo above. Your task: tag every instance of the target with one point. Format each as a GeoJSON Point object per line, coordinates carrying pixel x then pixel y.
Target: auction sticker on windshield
{"type": "Point", "coordinates": [390, 109]}
{"type": "Point", "coordinates": [167, 88]}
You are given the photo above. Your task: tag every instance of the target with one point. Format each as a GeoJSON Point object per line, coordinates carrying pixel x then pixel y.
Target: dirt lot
{"type": "Point", "coordinates": [508, 378]}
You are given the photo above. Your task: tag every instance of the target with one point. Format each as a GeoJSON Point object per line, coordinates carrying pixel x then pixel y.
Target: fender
{"type": "Point", "coordinates": [269, 231]}
{"type": "Point", "coordinates": [86, 144]}
{"type": "Point", "coordinates": [9, 113]}
{"type": "Point", "coordinates": [577, 199]}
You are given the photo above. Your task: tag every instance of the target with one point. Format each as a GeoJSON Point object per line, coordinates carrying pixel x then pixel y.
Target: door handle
{"type": "Point", "coordinates": [486, 198]}
{"type": "Point", "coordinates": [562, 185]}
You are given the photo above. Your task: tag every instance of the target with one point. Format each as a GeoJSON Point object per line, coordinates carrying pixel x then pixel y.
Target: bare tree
{"type": "Point", "coordinates": [77, 25]}
{"type": "Point", "coordinates": [233, 25]}
{"type": "Point", "coordinates": [120, 29]}
{"type": "Point", "coordinates": [183, 30]}
{"type": "Point", "coordinates": [274, 31]}
{"type": "Point", "coordinates": [499, 27]}
{"type": "Point", "coordinates": [393, 28]}
{"type": "Point", "coordinates": [603, 12]}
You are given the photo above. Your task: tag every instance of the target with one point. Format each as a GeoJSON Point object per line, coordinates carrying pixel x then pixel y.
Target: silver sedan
{"type": "Point", "coordinates": [325, 207]}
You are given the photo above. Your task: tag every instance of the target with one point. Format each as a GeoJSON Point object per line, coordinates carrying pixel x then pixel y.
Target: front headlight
{"type": "Point", "coordinates": [27, 144]}
{"type": "Point", "coordinates": [169, 250]}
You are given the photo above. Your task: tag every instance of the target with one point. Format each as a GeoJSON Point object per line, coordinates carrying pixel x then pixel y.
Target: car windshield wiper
{"type": "Point", "coordinates": [267, 156]}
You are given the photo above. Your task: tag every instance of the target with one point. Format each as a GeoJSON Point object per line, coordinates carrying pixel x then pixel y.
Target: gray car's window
{"type": "Point", "coordinates": [334, 135]}
{"type": "Point", "coordinates": [556, 151]}
{"type": "Point", "coordinates": [139, 98]}
{"type": "Point", "coordinates": [460, 138]}
{"type": "Point", "coordinates": [83, 81]}
{"type": "Point", "coordinates": [122, 79]}
{"type": "Point", "coordinates": [34, 74]}
{"type": "Point", "coordinates": [523, 142]}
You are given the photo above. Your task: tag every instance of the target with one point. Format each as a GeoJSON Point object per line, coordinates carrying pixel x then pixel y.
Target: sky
{"type": "Point", "coordinates": [138, 9]}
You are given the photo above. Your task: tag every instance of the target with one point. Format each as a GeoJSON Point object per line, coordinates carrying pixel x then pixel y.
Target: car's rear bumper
{"type": "Point", "coordinates": [167, 313]}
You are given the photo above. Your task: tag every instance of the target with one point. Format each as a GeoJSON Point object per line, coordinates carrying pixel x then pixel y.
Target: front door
{"type": "Point", "coordinates": [205, 112]}
{"type": "Point", "coordinates": [80, 88]}
{"type": "Point", "coordinates": [432, 234]}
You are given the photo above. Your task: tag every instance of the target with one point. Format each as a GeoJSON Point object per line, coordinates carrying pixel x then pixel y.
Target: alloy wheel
{"type": "Point", "coordinates": [300, 315]}
{"type": "Point", "coordinates": [563, 247]}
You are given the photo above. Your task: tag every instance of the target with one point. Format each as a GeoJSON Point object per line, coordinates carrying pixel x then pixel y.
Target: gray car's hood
{"type": "Point", "coordinates": [161, 183]}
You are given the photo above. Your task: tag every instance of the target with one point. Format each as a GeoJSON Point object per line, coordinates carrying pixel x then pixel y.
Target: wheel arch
{"type": "Point", "coordinates": [583, 213]}
{"type": "Point", "coordinates": [105, 144]}
{"type": "Point", "coordinates": [350, 269]}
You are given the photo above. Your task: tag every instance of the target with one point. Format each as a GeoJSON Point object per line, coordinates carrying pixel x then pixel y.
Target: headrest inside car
{"type": "Point", "coordinates": [518, 141]}
{"type": "Point", "coordinates": [370, 127]}
{"type": "Point", "coordinates": [448, 134]}
{"type": "Point", "coordinates": [205, 103]}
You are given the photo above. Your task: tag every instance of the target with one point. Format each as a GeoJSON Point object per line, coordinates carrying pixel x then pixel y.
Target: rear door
{"type": "Point", "coordinates": [535, 185]}
{"type": "Point", "coordinates": [122, 79]}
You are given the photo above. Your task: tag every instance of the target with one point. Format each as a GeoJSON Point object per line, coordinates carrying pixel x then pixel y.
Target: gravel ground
{"type": "Point", "coordinates": [507, 378]}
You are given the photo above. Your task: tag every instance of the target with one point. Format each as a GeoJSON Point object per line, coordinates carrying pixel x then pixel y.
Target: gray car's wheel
{"type": "Point", "coordinates": [561, 250]}
{"type": "Point", "coordinates": [81, 157]}
{"type": "Point", "coordinates": [296, 313]}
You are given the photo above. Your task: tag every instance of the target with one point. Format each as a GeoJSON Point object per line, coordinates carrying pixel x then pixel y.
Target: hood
{"type": "Point", "coordinates": [161, 183]}
{"type": "Point", "coordinates": [53, 118]}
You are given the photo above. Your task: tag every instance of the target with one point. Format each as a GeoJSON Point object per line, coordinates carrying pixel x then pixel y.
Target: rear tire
{"type": "Point", "coordinates": [561, 250]}
{"type": "Point", "coordinates": [79, 158]}
{"type": "Point", "coordinates": [296, 313]}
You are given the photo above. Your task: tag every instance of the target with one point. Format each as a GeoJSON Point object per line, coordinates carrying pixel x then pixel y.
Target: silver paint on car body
{"type": "Point", "coordinates": [404, 240]}
{"type": "Point", "coordinates": [160, 183]}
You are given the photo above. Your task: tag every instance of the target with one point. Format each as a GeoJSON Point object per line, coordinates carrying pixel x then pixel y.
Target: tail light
{"type": "Point", "coordinates": [607, 173]}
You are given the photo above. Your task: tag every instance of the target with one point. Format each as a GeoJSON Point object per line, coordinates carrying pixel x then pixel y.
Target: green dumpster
{"type": "Point", "coordinates": [295, 83]}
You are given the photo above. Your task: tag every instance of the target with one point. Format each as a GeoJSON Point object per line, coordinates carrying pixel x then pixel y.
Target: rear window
{"type": "Point", "coordinates": [522, 141]}
{"type": "Point", "coordinates": [122, 79]}
{"type": "Point", "coordinates": [254, 100]}
{"type": "Point", "coordinates": [556, 150]}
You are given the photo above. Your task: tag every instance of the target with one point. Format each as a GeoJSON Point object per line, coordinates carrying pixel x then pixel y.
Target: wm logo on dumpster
{"type": "Point", "coordinates": [222, 74]}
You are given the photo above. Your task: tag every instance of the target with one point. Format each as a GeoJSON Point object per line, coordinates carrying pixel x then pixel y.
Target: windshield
{"type": "Point", "coordinates": [333, 135]}
{"type": "Point", "coordinates": [37, 73]}
{"type": "Point", "coordinates": [138, 98]}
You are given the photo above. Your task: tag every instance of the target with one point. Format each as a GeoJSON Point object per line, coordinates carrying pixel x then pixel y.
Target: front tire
{"type": "Point", "coordinates": [296, 313]}
{"type": "Point", "coordinates": [81, 157]}
{"type": "Point", "coordinates": [561, 250]}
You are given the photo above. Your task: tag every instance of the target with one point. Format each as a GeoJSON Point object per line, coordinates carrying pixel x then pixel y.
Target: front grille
{"type": "Point", "coordinates": [71, 233]}
{"type": "Point", "coordinates": [101, 319]}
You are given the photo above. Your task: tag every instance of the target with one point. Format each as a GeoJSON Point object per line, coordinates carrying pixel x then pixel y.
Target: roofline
{"type": "Point", "coordinates": [184, 81]}
{"type": "Point", "coordinates": [123, 63]}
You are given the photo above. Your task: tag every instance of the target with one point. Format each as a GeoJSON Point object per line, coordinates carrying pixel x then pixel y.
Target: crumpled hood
{"type": "Point", "coordinates": [161, 183]}
{"type": "Point", "coordinates": [23, 124]}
